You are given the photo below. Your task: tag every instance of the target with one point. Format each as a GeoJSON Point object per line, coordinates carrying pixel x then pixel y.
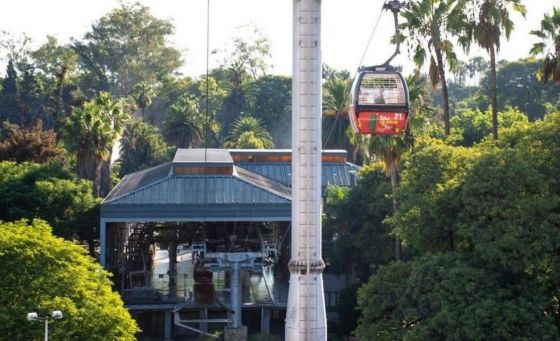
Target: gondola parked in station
{"type": "Point", "coordinates": [379, 103]}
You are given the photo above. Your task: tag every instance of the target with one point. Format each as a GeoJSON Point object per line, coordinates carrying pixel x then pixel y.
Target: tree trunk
{"type": "Point", "coordinates": [441, 71]}
{"type": "Point", "coordinates": [105, 178]}
{"type": "Point", "coordinates": [394, 185]}
{"type": "Point", "coordinates": [494, 93]}
{"type": "Point", "coordinates": [88, 167]}
{"type": "Point", "coordinates": [58, 94]}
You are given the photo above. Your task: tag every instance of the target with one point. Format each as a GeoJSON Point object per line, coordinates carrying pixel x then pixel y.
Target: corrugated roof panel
{"type": "Point", "coordinates": [139, 179]}
{"type": "Point", "coordinates": [190, 190]}
{"type": "Point", "coordinates": [332, 173]}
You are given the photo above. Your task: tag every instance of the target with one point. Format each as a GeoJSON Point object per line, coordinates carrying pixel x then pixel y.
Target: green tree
{"type": "Point", "coordinates": [450, 296]}
{"type": "Point", "coordinates": [353, 224]}
{"type": "Point", "coordinates": [142, 146]}
{"type": "Point", "coordinates": [184, 126]}
{"type": "Point", "coordinates": [428, 196]}
{"type": "Point", "coordinates": [246, 60]}
{"type": "Point", "coordinates": [125, 47]}
{"type": "Point", "coordinates": [236, 100]}
{"type": "Point", "coordinates": [249, 51]}
{"type": "Point", "coordinates": [519, 89]}
{"type": "Point", "coordinates": [476, 66]}
{"type": "Point", "coordinates": [472, 126]}
{"type": "Point", "coordinates": [29, 93]}
{"type": "Point", "coordinates": [58, 66]}
{"type": "Point", "coordinates": [336, 124]}
{"type": "Point", "coordinates": [248, 140]}
{"type": "Point", "coordinates": [51, 193]}
{"type": "Point", "coordinates": [422, 115]}
{"type": "Point", "coordinates": [169, 90]}
{"type": "Point", "coordinates": [330, 73]}
{"type": "Point", "coordinates": [549, 46]}
{"type": "Point", "coordinates": [216, 94]}
{"type": "Point", "coordinates": [90, 133]}
{"type": "Point", "coordinates": [522, 89]}
{"type": "Point", "coordinates": [489, 22]}
{"type": "Point", "coordinates": [142, 93]}
{"type": "Point", "coordinates": [484, 223]}
{"type": "Point", "coordinates": [429, 26]}
{"type": "Point", "coordinates": [389, 150]}
{"type": "Point", "coordinates": [272, 104]}
{"type": "Point", "coordinates": [244, 125]}
{"type": "Point", "coordinates": [48, 273]}
{"type": "Point", "coordinates": [8, 95]}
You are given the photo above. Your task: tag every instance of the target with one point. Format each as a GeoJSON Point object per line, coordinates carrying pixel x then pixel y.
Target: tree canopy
{"type": "Point", "coordinates": [42, 273]}
{"type": "Point", "coordinates": [51, 193]}
{"type": "Point", "coordinates": [126, 47]}
{"type": "Point", "coordinates": [484, 222]}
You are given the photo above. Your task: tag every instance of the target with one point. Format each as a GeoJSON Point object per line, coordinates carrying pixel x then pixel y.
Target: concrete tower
{"type": "Point", "coordinates": [306, 316]}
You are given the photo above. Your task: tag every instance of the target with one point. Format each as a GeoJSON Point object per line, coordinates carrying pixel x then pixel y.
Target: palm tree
{"type": "Point", "coordinates": [549, 46]}
{"type": "Point", "coordinates": [142, 93]}
{"type": "Point", "coordinates": [236, 100]}
{"type": "Point", "coordinates": [116, 112]}
{"type": "Point", "coordinates": [491, 20]}
{"type": "Point", "coordinates": [184, 125]}
{"type": "Point", "coordinates": [389, 150]}
{"type": "Point", "coordinates": [142, 146]}
{"type": "Point", "coordinates": [90, 132]}
{"type": "Point", "coordinates": [335, 120]}
{"type": "Point", "coordinates": [429, 26]}
{"type": "Point", "coordinates": [360, 147]}
{"type": "Point", "coordinates": [244, 125]}
{"type": "Point", "coordinates": [248, 140]}
{"type": "Point", "coordinates": [420, 102]}
{"type": "Point", "coordinates": [475, 67]}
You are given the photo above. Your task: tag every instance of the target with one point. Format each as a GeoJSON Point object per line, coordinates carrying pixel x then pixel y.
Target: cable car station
{"type": "Point", "coordinates": [195, 247]}
{"type": "Point", "coordinates": [201, 243]}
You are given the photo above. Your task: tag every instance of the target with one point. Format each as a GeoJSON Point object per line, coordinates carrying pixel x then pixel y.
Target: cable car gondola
{"type": "Point", "coordinates": [379, 100]}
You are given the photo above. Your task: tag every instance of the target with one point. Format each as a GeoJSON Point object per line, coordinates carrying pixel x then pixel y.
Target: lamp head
{"type": "Point", "coordinates": [57, 314]}
{"type": "Point", "coordinates": [32, 316]}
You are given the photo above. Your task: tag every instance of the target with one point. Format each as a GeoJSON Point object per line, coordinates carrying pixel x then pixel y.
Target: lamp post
{"type": "Point", "coordinates": [55, 315]}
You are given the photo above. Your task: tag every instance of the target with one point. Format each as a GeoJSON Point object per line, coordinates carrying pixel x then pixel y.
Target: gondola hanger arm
{"type": "Point", "coordinates": [394, 6]}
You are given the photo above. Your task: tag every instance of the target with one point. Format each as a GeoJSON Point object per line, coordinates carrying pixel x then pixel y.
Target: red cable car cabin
{"type": "Point", "coordinates": [379, 102]}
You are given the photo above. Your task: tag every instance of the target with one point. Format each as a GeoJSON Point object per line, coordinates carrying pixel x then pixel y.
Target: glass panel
{"type": "Point", "coordinates": [380, 89]}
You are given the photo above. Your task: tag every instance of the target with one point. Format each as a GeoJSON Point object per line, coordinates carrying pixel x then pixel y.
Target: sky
{"type": "Point", "coordinates": [346, 27]}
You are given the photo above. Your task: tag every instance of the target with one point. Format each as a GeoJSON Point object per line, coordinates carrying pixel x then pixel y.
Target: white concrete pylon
{"type": "Point", "coordinates": [305, 315]}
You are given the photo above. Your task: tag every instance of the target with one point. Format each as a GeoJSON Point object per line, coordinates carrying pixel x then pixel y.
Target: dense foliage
{"type": "Point", "coordinates": [42, 273]}
{"type": "Point", "coordinates": [142, 146]}
{"type": "Point", "coordinates": [51, 193]}
{"type": "Point", "coordinates": [35, 144]}
{"type": "Point", "coordinates": [484, 222]}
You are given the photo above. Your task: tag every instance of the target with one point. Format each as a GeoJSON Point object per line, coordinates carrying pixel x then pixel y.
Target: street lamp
{"type": "Point", "coordinates": [55, 315]}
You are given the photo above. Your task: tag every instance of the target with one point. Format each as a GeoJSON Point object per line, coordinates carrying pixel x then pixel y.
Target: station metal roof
{"type": "Point", "coordinates": [333, 173]}
{"type": "Point", "coordinates": [254, 191]}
